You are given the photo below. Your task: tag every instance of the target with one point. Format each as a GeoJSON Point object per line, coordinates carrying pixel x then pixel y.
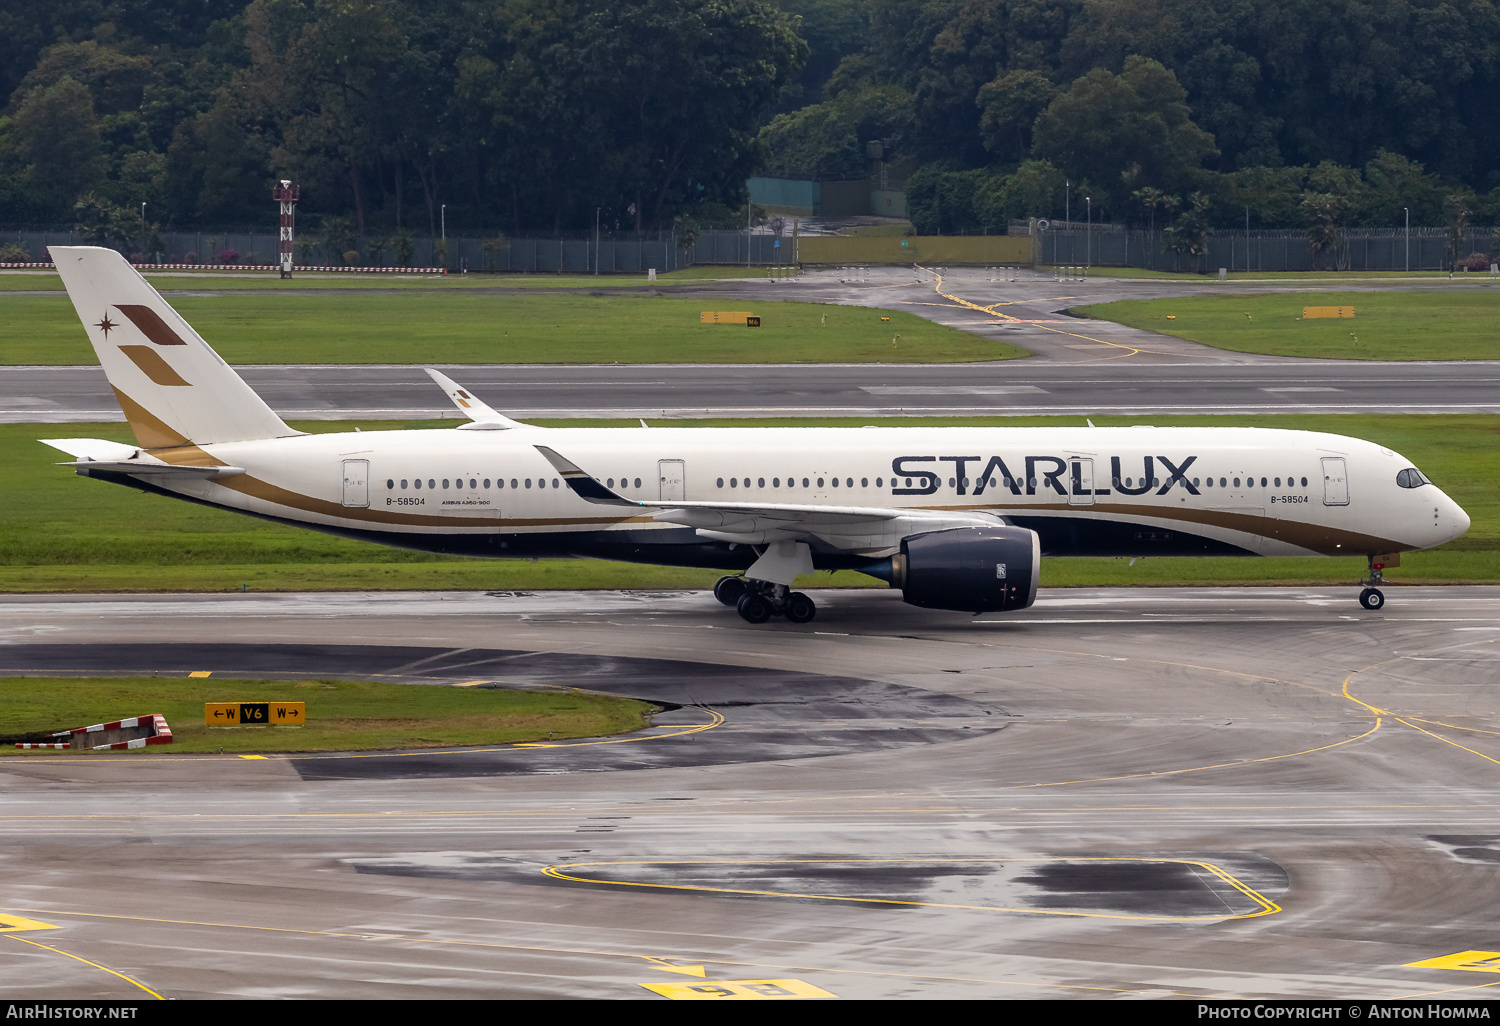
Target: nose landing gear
{"type": "Point", "coordinates": [1372, 597]}
{"type": "Point", "coordinates": [758, 601]}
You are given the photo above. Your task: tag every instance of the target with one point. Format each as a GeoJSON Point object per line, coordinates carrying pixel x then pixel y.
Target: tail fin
{"type": "Point", "coordinates": [174, 389]}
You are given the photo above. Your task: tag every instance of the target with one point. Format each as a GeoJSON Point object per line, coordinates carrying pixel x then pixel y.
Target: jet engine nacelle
{"type": "Point", "coordinates": [974, 569]}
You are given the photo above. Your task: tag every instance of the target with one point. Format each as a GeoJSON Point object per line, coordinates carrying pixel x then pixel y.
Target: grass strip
{"type": "Point", "coordinates": [342, 715]}
{"type": "Point", "coordinates": [1386, 325]}
{"type": "Point", "coordinates": [48, 281]}
{"type": "Point", "coordinates": [63, 533]}
{"type": "Point", "coordinates": [489, 328]}
{"type": "Point", "coordinates": [1293, 276]}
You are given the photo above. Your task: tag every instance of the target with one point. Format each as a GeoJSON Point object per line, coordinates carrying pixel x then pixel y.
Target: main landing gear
{"type": "Point", "coordinates": [1371, 597]}
{"type": "Point", "coordinates": [758, 601]}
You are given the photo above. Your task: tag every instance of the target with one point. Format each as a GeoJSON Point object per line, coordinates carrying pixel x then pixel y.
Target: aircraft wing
{"type": "Point", "coordinates": [864, 529]}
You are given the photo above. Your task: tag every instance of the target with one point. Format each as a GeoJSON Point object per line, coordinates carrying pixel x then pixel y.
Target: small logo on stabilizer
{"type": "Point", "coordinates": [106, 325]}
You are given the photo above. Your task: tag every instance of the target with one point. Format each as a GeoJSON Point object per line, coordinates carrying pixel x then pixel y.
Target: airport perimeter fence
{"type": "Point", "coordinates": [578, 253]}
{"type": "Point", "coordinates": [1359, 249]}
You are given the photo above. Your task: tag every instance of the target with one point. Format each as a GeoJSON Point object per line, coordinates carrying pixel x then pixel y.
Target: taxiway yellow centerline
{"type": "Point", "coordinates": [1267, 907]}
{"type": "Point", "coordinates": [652, 961]}
{"type": "Point", "coordinates": [96, 965]}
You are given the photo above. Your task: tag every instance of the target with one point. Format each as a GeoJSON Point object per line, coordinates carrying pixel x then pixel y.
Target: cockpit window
{"type": "Point", "coordinates": [1411, 477]}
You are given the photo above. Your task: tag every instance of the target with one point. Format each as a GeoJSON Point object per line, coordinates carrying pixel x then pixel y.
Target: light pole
{"type": "Point", "coordinates": [443, 220]}
{"type": "Point", "coordinates": [596, 240]}
{"type": "Point", "coordinates": [1408, 238]}
{"type": "Point", "coordinates": [1088, 235]}
{"type": "Point", "coordinates": [286, 195]}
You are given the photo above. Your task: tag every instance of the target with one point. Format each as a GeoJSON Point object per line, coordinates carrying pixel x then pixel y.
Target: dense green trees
{"type": "Point", "coordinates": [1143, 103]}
{"type": "Point", "coordinates": [527, 113]}
{"type": "Point", "coordinates": [518, 115]}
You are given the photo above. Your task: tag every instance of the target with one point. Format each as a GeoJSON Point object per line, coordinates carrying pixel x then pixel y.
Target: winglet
{"type": "Point", "coordinates": [584, 486]}
{"type": "Point", "coordinates": [484, 418]}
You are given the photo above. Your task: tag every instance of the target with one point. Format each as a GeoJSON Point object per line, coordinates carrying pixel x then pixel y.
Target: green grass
{"type": "Point", "coordinates": [1213, 275]}
{"type": "Point", "coordinates": [35, 281]}
{"type": "Point", "coordinates": [495, 328]}
{"type": "Point", "coordinates": [63, 533]}
{"type": "Point", "coordinates": [1386, 325]}
{"type": "Point", "coordinates": [342, 715]}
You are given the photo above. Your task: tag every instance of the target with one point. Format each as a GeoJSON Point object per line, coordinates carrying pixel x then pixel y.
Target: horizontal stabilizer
{"type": "Point", "coordinates": [154, 468]}
{"type": "Point", "coordinates": [92, 448]}
{"type": "Point", "coordinates": [102, 454]}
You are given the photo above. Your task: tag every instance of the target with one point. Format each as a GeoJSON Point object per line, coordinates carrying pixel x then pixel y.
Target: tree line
{"type": "Point", "coordinates": [526, 114]}
{"type": "Point", "coordinates": [554, 115]}
{"type": "Point", "coordinates": [1164, 112]}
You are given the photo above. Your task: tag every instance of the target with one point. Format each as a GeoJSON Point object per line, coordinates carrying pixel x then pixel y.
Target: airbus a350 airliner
{"type": "Point", "coordinates": [956, 518]}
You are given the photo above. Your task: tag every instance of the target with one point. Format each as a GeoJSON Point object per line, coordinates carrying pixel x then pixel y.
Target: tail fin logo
{"type": "Point", "coordinates": [106, 325]}
{"type": "Point", "coordinates": [150, 324]}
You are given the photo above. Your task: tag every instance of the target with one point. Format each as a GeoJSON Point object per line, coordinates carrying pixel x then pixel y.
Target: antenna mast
{"type": "Point", "coordinates": [286, 194]}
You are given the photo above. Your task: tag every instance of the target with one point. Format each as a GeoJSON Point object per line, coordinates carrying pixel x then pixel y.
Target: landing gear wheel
{"type": "Point", "coordinates": [800, 608]}
{"type": "Point", "coordinates": [754, 608]}
{"type": "Point", "coordinates": [728, 590]}
{"type": "Point", "coordinates": [1371, 598]}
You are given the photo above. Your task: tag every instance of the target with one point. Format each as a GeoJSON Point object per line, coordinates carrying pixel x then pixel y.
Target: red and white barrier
{"type": "Point", "coordinates": [161, 734]}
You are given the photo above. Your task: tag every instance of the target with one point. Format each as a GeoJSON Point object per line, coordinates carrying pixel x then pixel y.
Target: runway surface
{"type": "Point", "coordinates": [1195, 793]}
{"type": "Point", "coordinates": [1081, 367]}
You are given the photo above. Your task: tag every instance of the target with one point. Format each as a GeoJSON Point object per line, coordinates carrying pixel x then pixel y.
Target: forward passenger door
{"type": "Point", "coordinates": [672, 475]}
{"type": "Point", "coordinates": [1335, 482]}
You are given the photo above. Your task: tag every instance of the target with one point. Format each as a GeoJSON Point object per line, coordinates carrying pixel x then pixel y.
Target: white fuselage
{"type": "Point", "coordinates": [1086, 491]}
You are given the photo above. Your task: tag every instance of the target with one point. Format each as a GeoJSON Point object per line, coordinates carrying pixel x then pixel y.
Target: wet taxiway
{"type": "Point", "coordinates": [1196, 792]}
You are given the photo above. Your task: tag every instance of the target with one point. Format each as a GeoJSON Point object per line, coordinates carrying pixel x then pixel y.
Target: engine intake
{"type": "Point", "coordinates": [974, 569]}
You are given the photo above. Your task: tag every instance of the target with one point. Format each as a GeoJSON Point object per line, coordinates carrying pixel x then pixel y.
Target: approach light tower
{"type": "Point", "coordinates": [286, 194]}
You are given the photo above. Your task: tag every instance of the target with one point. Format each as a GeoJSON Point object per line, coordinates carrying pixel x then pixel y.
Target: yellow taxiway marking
{"type": "Point", "coordinates": [1265, 906]}
{"type": "Point", "coordinates": [96, 965]}
{"type": "Point", "coordinates": [938, 288]}
{"type": "Point", "coordinates": [595, 952]}
{"type": "Point", "coordinates": [686, 970]}
{"type": "Point", "coordinates": [14, 924]}
{"type": "Point", "coordinates": [1473, 961]}
{"type": "Point", "coordinates": [251, 757]}
{"type": "Point", "coordinates": [201, 673]}
{"type": "Point", "coordinates": [715, 719]}
{"type": "Point", "coordinates": [1407, 722]}
{"type": "Point", "coordinates": [1128, 350]}
{"type": "Point", "coordinates": [471, 683]}
{"type": "Point", "coordinates": [738, 990]}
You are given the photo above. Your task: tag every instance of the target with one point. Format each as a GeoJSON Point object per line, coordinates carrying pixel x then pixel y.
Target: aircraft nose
{"type": "Point", "coordinates": [1452, 522]}
{"type": "Point", "coordinates": [1461, 520]}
